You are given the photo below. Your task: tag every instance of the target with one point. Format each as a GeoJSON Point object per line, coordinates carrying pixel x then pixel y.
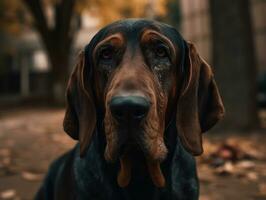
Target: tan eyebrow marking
{"type": "Point", "coordinates": [116, 40]}
{"type": "Point", "coordinates": [148, 35]}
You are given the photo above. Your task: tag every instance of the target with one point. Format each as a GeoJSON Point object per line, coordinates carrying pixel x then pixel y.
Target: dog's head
{"type": "Point", "coordinates": [141, 74]}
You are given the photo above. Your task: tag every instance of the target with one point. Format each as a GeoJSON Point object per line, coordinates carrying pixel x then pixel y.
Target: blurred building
{"type": "Point", "coordinates": [24, 67]}
{"type": "Point", "coordinates": [24, 70]}
{"type": "Point", "coordinates": [196, 27]}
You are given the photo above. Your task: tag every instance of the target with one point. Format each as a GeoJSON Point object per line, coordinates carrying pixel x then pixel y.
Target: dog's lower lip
{"type": "Point", "coordinates": [129, 147]}
{"type": "Point", "coordinates": [132, 160]}
{"type": "Point", "coordinates": [133, 150]}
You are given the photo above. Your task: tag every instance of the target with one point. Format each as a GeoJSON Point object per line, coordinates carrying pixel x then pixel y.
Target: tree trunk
{"type": "Point", "coordinates": [234, 61]}
{"type": "Point", "coordinates": [60, 68]}
{"type": "Point", "coordinates": [57, 40]}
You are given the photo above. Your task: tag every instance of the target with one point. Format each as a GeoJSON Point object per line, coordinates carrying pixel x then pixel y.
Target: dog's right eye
{"type": "Point", "coordinates": [161, 50]}
{"type": "Point", "coordinates": [107, 53]}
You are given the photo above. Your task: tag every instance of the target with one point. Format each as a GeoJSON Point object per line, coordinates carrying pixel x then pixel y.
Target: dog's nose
{"type": "Point", "coordinates": [129, 107]}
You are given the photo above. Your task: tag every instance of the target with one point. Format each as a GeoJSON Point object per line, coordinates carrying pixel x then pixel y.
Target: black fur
{"type": "Point", "coordinates": [92, 178]}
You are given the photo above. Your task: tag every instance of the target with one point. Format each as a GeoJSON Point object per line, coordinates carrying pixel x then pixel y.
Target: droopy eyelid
{"type": "Point", "coordinates": [105, 47]}
{"type": "Point", "coordinates": [153, 35]}
{"type": "Point", "coordinates": [151, 46]}
{"type": "Point", "coordinates": [164, 45]}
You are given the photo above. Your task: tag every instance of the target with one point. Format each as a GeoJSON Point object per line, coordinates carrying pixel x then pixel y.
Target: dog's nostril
{"type": "Point", "coordinates": [129, 107]}
{"type": "Point", "coordinates": [117, 112]}
{"type": "Point", "coordinates": [140, 111]}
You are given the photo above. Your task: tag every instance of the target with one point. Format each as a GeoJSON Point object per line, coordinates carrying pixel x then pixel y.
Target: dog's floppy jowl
{"type": "Point", "coordinates": [141, 77]}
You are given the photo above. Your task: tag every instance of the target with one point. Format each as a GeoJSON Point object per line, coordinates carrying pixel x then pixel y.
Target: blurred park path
{"type": "Point", "coordinates": [233, 167]}
{"type": "Point", "coordinates": [30, 139]}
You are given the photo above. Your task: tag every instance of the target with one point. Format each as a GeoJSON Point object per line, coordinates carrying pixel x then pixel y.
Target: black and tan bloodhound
{"type": "Point", "coordinates": [138, 101]}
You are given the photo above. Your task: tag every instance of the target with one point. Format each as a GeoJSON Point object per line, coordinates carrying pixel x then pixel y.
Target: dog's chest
{"type": "Point", "coordinates": [95, 181]}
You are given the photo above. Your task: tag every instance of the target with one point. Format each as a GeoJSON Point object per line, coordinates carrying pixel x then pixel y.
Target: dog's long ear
{"type": "Point", "coordinates": [199, 106]}
{"type": "Point", "coordinates": [80, 116]}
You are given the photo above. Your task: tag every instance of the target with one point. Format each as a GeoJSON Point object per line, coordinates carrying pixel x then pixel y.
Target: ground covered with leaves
{"type": "Point", "coordinates": [233, 166]}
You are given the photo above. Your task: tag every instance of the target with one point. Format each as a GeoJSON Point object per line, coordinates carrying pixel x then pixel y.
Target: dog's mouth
{"type": "Point", "coordinates": [133, 156]}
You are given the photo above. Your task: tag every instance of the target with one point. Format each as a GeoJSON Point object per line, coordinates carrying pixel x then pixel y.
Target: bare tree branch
{"type": "Point", "coordinates": [36, 9]}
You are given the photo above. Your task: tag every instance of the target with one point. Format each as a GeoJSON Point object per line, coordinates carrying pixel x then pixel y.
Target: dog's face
{"type": "Point", "coordinates": [136, 75]}
{"type": "Point", "coordinates": [141, 74]}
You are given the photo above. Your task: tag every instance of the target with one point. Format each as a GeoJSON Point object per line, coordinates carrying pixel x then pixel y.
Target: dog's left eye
{"type": "Point", "coordinates": [107, 53]}
{"type": "Point", "coordinates": [161, 51]}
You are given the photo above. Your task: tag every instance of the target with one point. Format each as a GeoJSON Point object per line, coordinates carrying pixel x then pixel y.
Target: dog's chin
{"type": "Point", "coordinates": [135, 157]}
{"type": "Point", "coordinates": [134, 150]}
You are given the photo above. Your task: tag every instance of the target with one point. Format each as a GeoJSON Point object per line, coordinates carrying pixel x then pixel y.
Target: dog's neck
{"type": "Point", "coordinates": [94, 165]}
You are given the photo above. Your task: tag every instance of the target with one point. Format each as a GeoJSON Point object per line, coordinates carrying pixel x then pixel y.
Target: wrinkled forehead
{"type": "Point", "coordinates": [132, 29]}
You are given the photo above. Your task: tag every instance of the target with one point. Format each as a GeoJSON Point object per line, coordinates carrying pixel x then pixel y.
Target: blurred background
{"type": "Point", "coordinates": [39, 42]}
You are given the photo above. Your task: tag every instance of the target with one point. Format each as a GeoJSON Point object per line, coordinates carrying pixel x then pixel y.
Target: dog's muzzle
{"type": "Point", "coordinates": [130, 112]}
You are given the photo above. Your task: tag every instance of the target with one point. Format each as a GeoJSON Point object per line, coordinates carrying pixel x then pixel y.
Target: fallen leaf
{"type": "Point", "coordinates": [245, 164]}
{"type": "Point", "coordinates": [4, 152]}
{"type": "Point", "coordinates": [262, 189]}
{"type": "Point", "coordinates": [29, 176]}
{"type": "Point", "coordinates": [252, 176]}
{"type": "Point", "coordinates": [6, 161]}
{"type": "Point", "coordinates": [204, 198]}
{"type": "Point", "coordinates": [8, 194]}
{"type": "Point", "coordinates": [227, 169]}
